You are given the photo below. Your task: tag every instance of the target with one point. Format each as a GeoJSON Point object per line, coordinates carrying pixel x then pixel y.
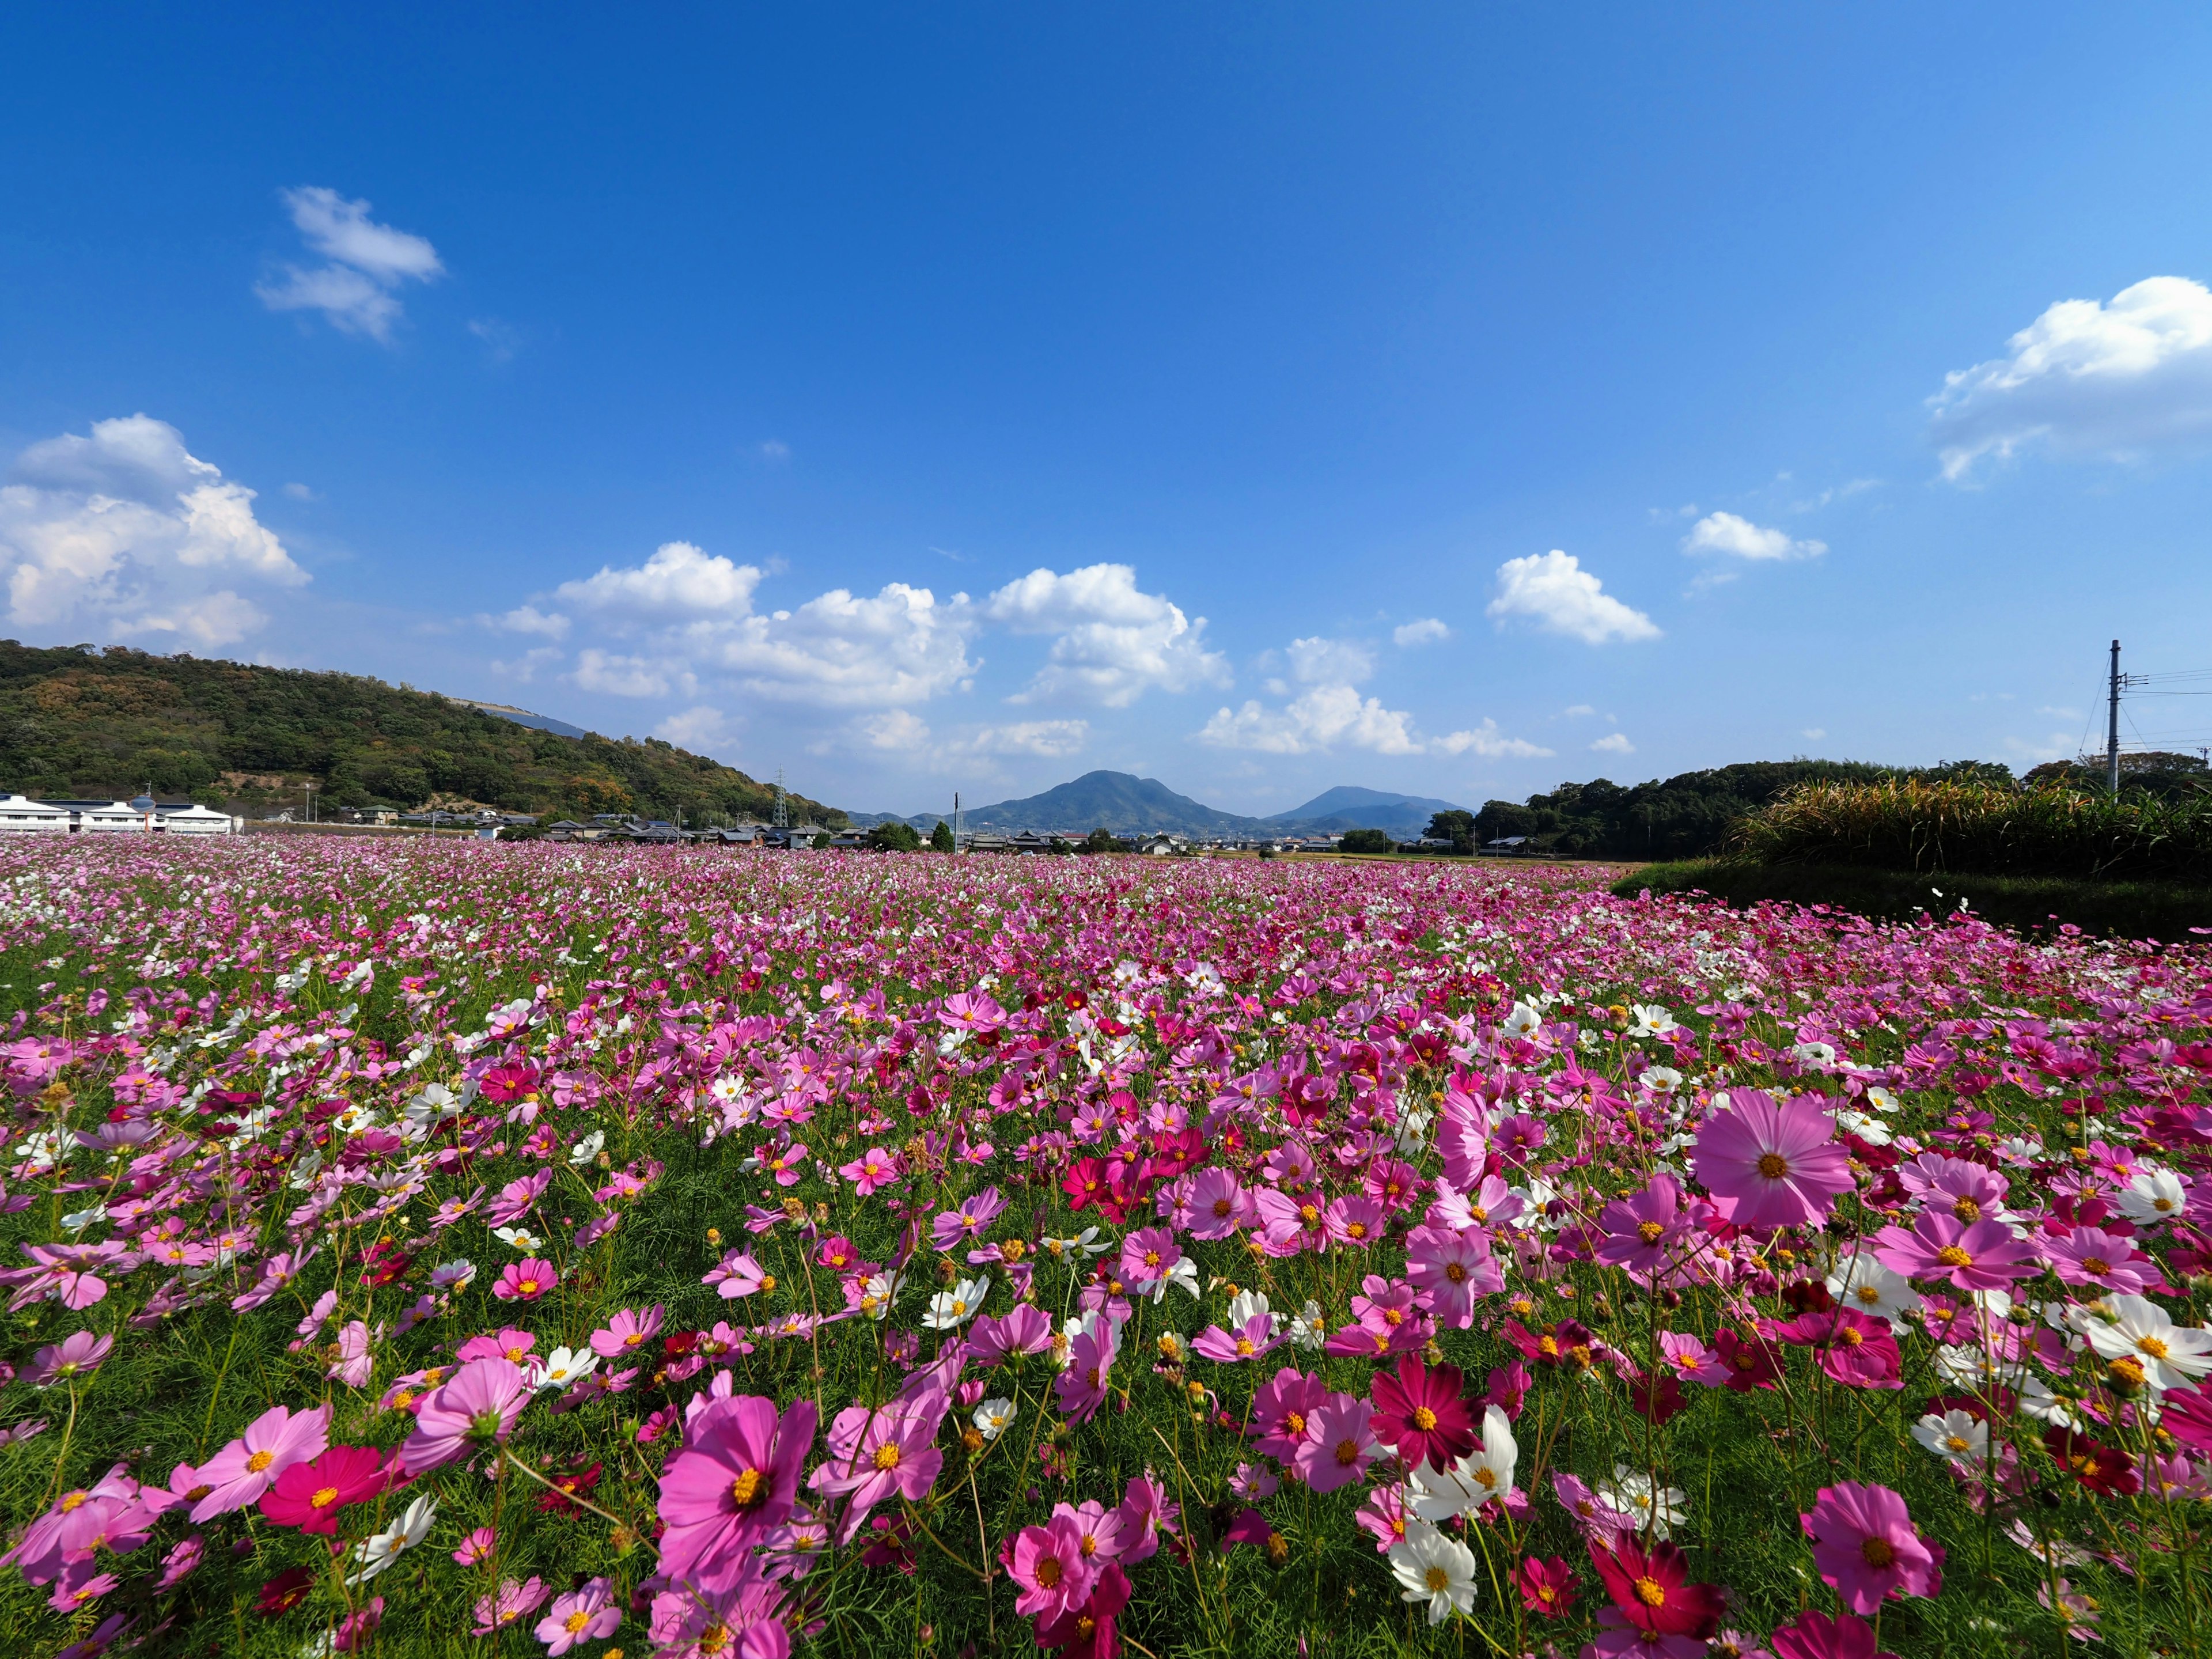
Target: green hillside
{"type": "Point", "coordinates": [77, 722]}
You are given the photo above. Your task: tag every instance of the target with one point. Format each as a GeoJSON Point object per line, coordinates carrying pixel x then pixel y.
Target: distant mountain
{"type": "Point", "coordinates": [1348, 806]}
{"type": "Point", "coordinates": [1126, 805]}
{"type": "Point", "coordinates": [1131, 805]}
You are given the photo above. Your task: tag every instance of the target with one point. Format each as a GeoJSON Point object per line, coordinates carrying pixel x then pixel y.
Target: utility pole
{"type": "Point", "coordinates": [957, 826]}
{"type": "Point", "coordinates": [2112, 731]}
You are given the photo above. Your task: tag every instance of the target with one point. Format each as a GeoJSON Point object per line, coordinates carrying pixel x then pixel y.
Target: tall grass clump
{"type": "Point", "coordinates": [1982, 828]}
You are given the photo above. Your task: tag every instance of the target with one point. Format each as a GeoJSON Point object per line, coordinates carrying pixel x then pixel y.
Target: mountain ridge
{"type": "Point", "coordinates": [1127, 805]}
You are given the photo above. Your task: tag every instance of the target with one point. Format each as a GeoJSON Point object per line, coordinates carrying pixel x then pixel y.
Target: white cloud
{"type": "Point", "coordinates": [1577, 708]}
{"type": "Point", "coordinates": [1114, 642]}
{"type": "Point", "coordinates": [1426, 631]}
{"type": "Point", "coordinates": [1048, 739]}
{"type": "Point", "coordinates": [526, 667]}
{"type": "Point", "coordinates": [1615, 742]}
{"type": "Point", "coordinates": [1815, 733]}
{"type": "Point", "coordinates": [529, 619]}
{"type": "Point", "coordinates": [126, 531]}
{"type": "Point", "coordinates": [1488, 740]}
{"type": "Point", "coordinates": [1330, 662]}
{"type": "Point", "coordinates": [679, 583]}
{"type": "Point", "coordinates": [620, 676]}
{"type": "Point", "coordinates": [368, 261]}
{"type": "Point", "coordinates": [1554, 592]}
{"type": "Point", "coordinates": [1316, 719]}
{"type": "Point", "coordinates": [700, 728]}
{"type": "Point", "coordinates": [300, 492]}
{"type": "Point", "coordinates": [1740, 539]}
{"type": "Point", "coordinates": [2085, 378]}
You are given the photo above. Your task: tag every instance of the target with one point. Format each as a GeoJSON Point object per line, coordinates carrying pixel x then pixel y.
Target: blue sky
{"type": "Point", "coordinates": [1449, 399]}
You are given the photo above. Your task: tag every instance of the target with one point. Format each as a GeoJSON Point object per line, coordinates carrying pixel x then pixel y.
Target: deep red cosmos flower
{"type": "Point", "coordinates": [1651, 1589]}
{"type": "Point", "coordinates": [1420, 1411]}
{"type": "Point", "coordinates": [309, 1495]}
{"type": "Point", "coordinates": [2101, 1468]}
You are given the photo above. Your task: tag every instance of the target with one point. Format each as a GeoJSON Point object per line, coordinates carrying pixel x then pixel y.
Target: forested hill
{"type": "Point", "coordinates": [1687, 816]}
{"type": "Point", "coordinates": [76, 722]}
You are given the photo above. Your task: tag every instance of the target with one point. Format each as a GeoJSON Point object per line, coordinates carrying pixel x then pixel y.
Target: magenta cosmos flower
{"type": "Point", "coordinates": [239, 1473]}
{"type": "Point", "coordinates": [1772, 1166]}
{"type": "Point", "coordinates": [78, 1354]}
{"type": "Point", "coordinates": [733, 1484]}
{"type": "Point", "coordinates": [1640, 1231]}
{"type": "Point", "coordinates": [1048, 1563]}
{"type": "Point", "coordinates": [1340, 1444]}
{"type": "Point", "coordinates": [309, 1495]}
{"type": "Point", "coordinates": [1816, 1636]}
{"type": "Point", "coordinates": [1082, 1386]}
{"type": "Point", "coordinates": [1864, 1545]}
{"type": "Point", "coordinates": [476, 1407]}
{"type": "Point", "coordinates": [526, 1281]}
{"type": "Point", "coordinates": [1451, 1270]}
{"type": "Point", "coordinates": [1978, 1256]}
{"type": "Point", "coordinates": [877, 1451]}
{"type": "Point", "coordinates": [627, 1332]}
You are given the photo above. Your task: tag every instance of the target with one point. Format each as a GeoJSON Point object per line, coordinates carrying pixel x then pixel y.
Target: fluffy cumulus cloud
{"type": "Point", "coordinates": [364, 263]}
{"type": "Point", "coordinates": [1734, 537]}
{"type": "Point", "coordinates": [685, 614]}
{"type": "Point", "coordinates": [124, 533]}
{"type": "Point", "coordinates": [1114, 641]}
{"type": "Point", "coordinates": [2121, 378]}
{"type": "Point", "coordinates": [1553, 591]}
{"type": "Point", "coordinates": [1425, 631]}
{"type": "Point", "coordinates": [1615, 742]}
{"type": "Point", "coordinates": [1331, 713]}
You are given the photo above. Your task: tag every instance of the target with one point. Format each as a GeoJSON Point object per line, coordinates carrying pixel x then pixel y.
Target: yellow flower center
{"type": "Point", "coordinates": [1348, 1453]}
{"type": "Point", "coordinates": [749, 1489]}
{"type": "Point", "coordinates": [1651, 1592]}
{"type": "Point", "coordinates": [259, 1460]}
{"type": "Point", "coordinates": [324, 1498]}
{"type": "Point", "coordinates": [887, 1455]}
{"type": "Point", "coordinates": [1773, 1166]}
{"type": "Point", "coordinates": [1424, 1418]}
{"type": "Point", "coordinates": [1878, 1552]}
{"type": "Point", "coordinates": [1650, 1232]}
{"type": "Point", "coordinates": [1437, 1580]}
{"type": "Point", "coordinates": [1952, 1256]}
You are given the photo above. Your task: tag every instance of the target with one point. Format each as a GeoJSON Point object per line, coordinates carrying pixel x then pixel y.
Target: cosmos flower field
{"type": "Point", "coordinates": [431, 1249]}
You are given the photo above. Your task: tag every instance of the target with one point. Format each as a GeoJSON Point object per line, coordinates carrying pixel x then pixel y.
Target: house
{"type": "Point", "coordinates": [986, 843]}
{"type": "Point", "coordinates": [1506, 844]}
{"type": "Point", "coordinates": [104, 817]}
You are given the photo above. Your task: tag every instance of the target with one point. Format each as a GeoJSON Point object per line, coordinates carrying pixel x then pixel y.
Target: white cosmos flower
{"type": "Point", "coordinates": [1656, 1509]}
{"type": "Point", "coordinates": [1183, 1275]}
{"type": "Point", "coordinates": [1817, 1056]}
{"type": "Point", "coordinates": [950, 1310]}
{"type": "Point", "coordinates": [1864, 1285]}
{"type": "Point", "coordinates": [1659, 1079]}
{"type": "Point", "coordinates": [1954, 1437]}
{"type": "Point", "coordinates": [1087, 1242]}
{"type": "Point", "coordinates": [565, 1366]}
{"type": "Point", "coordinates": [2153, 1196]}
{"type": "Point", "coordinates": [380, 1551]}
{"type": "Point", "coordinates": [520, 1238]}
{"type": "Point", "coordinates": [994, 1417]}
{"type": "Point", "coordinates": [1247, 1305]}
{"type": "Point", "coordinates": [1524, 1021]}
{"type": "Point", "coordinates": [1309, 1328]}
{"type": "Point", "coordinates": [588, 1148]}
{"type": "Point", "coordinates": [1871, 1130]}
{"type": "Point", "coordinates": [2170, 1355]}
{"type": "Point", "coordinates": [1434, 1569]}
{"type": "Point", "coordinates": [1485, 1475]}
{"type": "Point", "coordinates": [877, 1294]}
{"type": "Point", "coordinates": [1650, 1022]}
{"type": "Point", "coordinates": [1881, 1099]}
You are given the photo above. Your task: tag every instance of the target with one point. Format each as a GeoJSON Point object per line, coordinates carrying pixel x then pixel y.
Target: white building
{"type": "Point", "coordinates": [194, 820]}
{"type": "Point", "coordinates": [19, 813]}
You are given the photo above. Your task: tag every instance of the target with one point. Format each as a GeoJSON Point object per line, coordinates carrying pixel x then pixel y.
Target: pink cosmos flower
{"type": "Point", "coordinates": [627, 1332]}
{"type": "Point", "coordinates": [477, 1547]}
{"type": "Point", "coordinates": [1979, 1255]}
{"type": "Point", "coordinates": [1219, 1205]}
{"type": "Point", "coordinates": [1146, 1512]}
{"type": "Point", "coordinates": [872, 1168]}
{"type": "Point", "coordinates": [1640, 1231]}
{"type": "Point", "coordinates": [77, 1354]}
{"type": "Point", "coordinates": [583, 1615]}
{"type": "Point", "coordinates": [1088, 1631]}
{"type": "Point", "coordinates": [1148, 1254]}
{"type": "Point", "coordinates": [738, 1274]}
{"type": "Point", "coordinates": [509, 1604]}
{"type": "Point", "coordinates": [1281, 1409]}
{"type": "Point", "coordinates": [1048, 1563]}
{"type": "Point", "coordinates": [1451, 1270]}
{"type": "Point", "coordinates": [239, 1473]}
{"type": "Point", "coordinates": [510, 1345]}
{"type": "Point", "coordinates": [955, 1229]}
{"type": "Point", "coordinates": [180, 1562]}
{"type": "Point", "coordinates": [1382, 1516]}
{"type": "Point", "coordinates": [2107, 1261]}
{"type": "Point", "coordinates": [309, 1495]}
{"type": "Point", "coordinates": [1254, 1339]}
{"type": "Point", "coordinates": [1082, 1386]}
{"type": "Point", "coordinates": [876, 1452]}
{"type": "Point", "coordinates": [1340, 1444]}
{"type": "Point", "coordinates": [1771, 1166]}
{"type": "Point", "coordinates": [1864, 1546]}
{"type": "Point", "coordinates": [1026, 1330]}
{"type": "Point", "coordinates": [1355, 1221]}
{"type": "Point", "coordinates": [1097, 1528]}
{"type": "Point", "coordinates": [526, 1281]}
{"type": "Point", "coordinates": [476, 1407]}
{"type": "Point", "coordinates": [1816, 1636]}
{"type": "Point", "coordinates": [1687, 1357]}
{"type": "Point", "coordinates": [355, 1356]}
{"type": "Point", "coordinates": [733, 1483]}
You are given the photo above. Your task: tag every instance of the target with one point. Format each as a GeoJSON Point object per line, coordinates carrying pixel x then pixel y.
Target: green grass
{"type": "Point", "coordinates": [1909, 824]}
{"type": "Point", "coordinates": [2164, 910]}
